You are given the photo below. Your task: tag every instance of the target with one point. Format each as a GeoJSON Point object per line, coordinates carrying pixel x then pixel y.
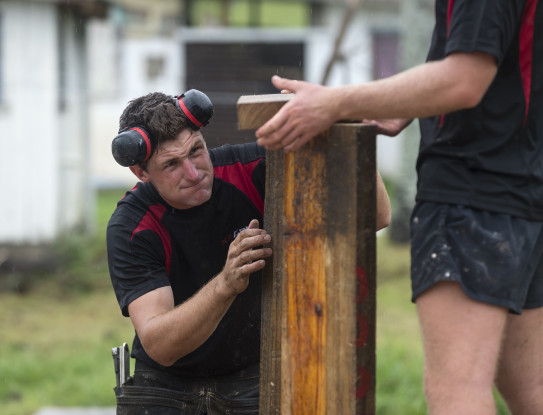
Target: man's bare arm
{"type": "Point", "coordinates": [383, 210]}
{"type": "Point", "coordinates": [456, 82]}
{"type": "Point", "coordinates": [168, 333]}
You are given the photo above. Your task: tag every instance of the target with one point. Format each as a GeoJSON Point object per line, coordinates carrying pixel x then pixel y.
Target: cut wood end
{"type": "Point", "coordinates": [255, 110]}
{"type": "Point", "coordinates": [264, 99]}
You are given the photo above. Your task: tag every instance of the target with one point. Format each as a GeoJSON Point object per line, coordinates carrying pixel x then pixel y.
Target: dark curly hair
{"type": "Point", "coordinates": [157, 114]}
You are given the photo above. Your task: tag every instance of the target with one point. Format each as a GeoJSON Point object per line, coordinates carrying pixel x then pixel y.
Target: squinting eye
{"type": "Point", "coordinates": [195, 150]}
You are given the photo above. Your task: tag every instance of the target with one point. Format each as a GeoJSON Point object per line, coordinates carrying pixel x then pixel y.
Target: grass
{"type": "Point", "coordinates": [56, 338]}
{"type": "Point", "coordinates": [56, 350]}
{"type": "Point", "coordinates": [399, 350]}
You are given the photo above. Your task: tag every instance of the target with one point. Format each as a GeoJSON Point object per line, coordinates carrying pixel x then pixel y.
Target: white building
{"type": "Point", "coordinates": [44, 140]}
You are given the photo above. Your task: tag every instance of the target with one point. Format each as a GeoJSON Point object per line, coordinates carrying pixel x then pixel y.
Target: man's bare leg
{"type": "Point", "coordinates": [461, 339]}
{"type": "Point", "coordinates": [520, 371]}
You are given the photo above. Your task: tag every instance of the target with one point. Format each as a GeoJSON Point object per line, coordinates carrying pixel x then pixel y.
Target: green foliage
{"type": "Point", "coordinates": [273, 14]}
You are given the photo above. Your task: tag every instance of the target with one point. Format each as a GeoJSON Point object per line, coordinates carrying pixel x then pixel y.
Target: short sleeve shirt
{"type": "Point", "coordinates": [489, 157]}
{"type": "Point", "coordinates": [152, 245]}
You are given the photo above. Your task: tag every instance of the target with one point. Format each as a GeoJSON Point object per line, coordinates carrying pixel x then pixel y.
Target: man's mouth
{"type": "Point", "coordinates": [195, 184]}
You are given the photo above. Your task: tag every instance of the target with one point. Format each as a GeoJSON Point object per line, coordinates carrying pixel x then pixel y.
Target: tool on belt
{"type": "Point", "coordinates": [121, 361]}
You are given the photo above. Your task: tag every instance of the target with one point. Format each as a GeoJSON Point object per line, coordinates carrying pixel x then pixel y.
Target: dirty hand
{"type": "Point", "coordinates": [310, 111]}
{"type": "Point", "coordinates": [245, 256]}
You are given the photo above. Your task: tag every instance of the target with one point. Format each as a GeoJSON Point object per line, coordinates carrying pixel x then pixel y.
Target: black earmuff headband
{"type": "Point", "coordinates": [196, 106]}
{"type": "Point", "coordinates": [134, 145]}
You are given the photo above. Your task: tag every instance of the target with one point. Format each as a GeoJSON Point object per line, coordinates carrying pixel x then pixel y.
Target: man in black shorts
{"type": "Point", "coordinates": [477, 236]}
{"type": "Point", "coordinates": [185, 253]}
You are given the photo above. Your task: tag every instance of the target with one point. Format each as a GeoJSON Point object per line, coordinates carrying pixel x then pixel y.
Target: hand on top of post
{"type": "Point", "coordinates": [306, 115]}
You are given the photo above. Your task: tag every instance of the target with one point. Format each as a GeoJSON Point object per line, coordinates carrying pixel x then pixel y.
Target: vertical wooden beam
{"type": "Point", "coordinates": [272, 290]}
{"type": "Point", "coordinates": [366, 271]}
{"type": "Point", "coordinates": [318, 305]}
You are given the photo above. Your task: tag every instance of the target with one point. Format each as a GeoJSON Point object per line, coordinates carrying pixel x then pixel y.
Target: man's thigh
{"type": "Point", "coordinates": [520, 374]}
{"type": "Point", "coordinates": [461, 336]}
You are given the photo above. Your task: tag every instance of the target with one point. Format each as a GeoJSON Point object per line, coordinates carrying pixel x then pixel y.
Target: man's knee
{"type": "Point", "coordinates": [443, 381]}
{"type": "Point", "coordinates": [524, 398]}
{"type": "Point", "coordinates": [456, 395]}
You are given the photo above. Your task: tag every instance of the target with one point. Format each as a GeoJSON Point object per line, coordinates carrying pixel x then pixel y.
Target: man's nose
{"type": "Point", "coordinates": [191, 172]}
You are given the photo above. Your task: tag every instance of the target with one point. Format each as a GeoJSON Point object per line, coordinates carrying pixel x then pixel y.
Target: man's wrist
{"type": "Point", "coordinates": [222, 288]}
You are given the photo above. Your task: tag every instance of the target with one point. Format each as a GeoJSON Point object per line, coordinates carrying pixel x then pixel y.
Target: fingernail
{"type": "Point", "coordinates": [267, 238]}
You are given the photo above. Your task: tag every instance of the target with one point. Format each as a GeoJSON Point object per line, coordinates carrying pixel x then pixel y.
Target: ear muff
{"type": "Point", "coordinates": [196, 106]}
{"type": "Point", "coordinates": [135, 145]}
{"type": "Point", "coordinates": [132, 146]}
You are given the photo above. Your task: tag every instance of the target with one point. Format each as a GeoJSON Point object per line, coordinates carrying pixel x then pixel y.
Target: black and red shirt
{"type": "Point", "coordinates": [151, 245]}
{"type": "Point", "coordinates": [489, 157]}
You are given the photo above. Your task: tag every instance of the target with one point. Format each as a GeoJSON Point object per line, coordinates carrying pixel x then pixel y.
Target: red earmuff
{"type": "Point", "coordinates": [134, 145]}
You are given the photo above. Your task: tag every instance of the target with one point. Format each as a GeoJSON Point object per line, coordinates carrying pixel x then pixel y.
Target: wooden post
{"type": "Point", "coordinates": [318, 303]}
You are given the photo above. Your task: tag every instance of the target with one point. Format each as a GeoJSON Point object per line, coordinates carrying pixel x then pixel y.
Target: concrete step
{"type": "Point", "coordinates": [76, 411]}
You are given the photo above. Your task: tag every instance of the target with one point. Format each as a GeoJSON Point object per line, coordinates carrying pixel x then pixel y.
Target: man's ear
{"type": "Point", "coordinates": [140, 173]}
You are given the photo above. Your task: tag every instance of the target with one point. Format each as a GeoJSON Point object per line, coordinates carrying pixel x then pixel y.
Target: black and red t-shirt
{"type": "Point", "coordinates": [489, 157]}
{"type": "Point", "coordinates": [152, 245]}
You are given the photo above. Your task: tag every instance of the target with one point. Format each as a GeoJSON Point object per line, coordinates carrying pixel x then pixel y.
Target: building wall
{"type": "Point", "coordinates": [144, 18]}
{"type": "Point", "coordinates": [28, 160]}
{"type": "Point", "coordinates": [75, 195]}
{"type": "Point", "coordinates": [40, 161]}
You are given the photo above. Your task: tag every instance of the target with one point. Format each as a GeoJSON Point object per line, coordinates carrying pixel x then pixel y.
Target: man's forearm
{"type": "Point", "coordinates": [383, 214]}
{"type": "Point", "coordinates": [433, 88]}
{"type": "Point", "coordinates": [457, 82]}
{"type": "Point", "coordinates": [176, 332]}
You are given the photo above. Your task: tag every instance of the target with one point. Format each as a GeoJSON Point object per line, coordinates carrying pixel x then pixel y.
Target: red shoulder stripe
{"type": "Point", "coordinates": [151, 221]}
{"type": "Point", "coordinates": [240, 175]}
{"type": "Point", "coordinates": [526, 49]}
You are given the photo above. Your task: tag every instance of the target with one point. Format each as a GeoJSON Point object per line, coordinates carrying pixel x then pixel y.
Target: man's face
{"type": "Point", "coordinates": [181, 171]}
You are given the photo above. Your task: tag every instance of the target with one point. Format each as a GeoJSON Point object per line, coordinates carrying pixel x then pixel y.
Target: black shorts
{"type": "Point", "coordinates": [497, 258]}
{"type": "Point", "coordinates": [154, 392]}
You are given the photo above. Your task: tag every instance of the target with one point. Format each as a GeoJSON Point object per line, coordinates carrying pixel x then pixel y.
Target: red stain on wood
{"type": "Point", "coordinates": [363, 285]}
{"type": "Point", "coordinates": [364, 383]}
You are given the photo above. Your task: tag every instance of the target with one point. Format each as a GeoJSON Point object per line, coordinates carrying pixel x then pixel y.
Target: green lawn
{"type": "Point", "coordinates": [56, 339]}
{"type": "Point", "coordinates": [399, 351]}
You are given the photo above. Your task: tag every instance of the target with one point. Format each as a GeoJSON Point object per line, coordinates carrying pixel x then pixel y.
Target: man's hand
{"type": "Point", "coordinates": [245, 256]}
{"type": "Point", "coordinates": [307, 114]}
{"type": "Point", "coordinates": [389, 127]}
